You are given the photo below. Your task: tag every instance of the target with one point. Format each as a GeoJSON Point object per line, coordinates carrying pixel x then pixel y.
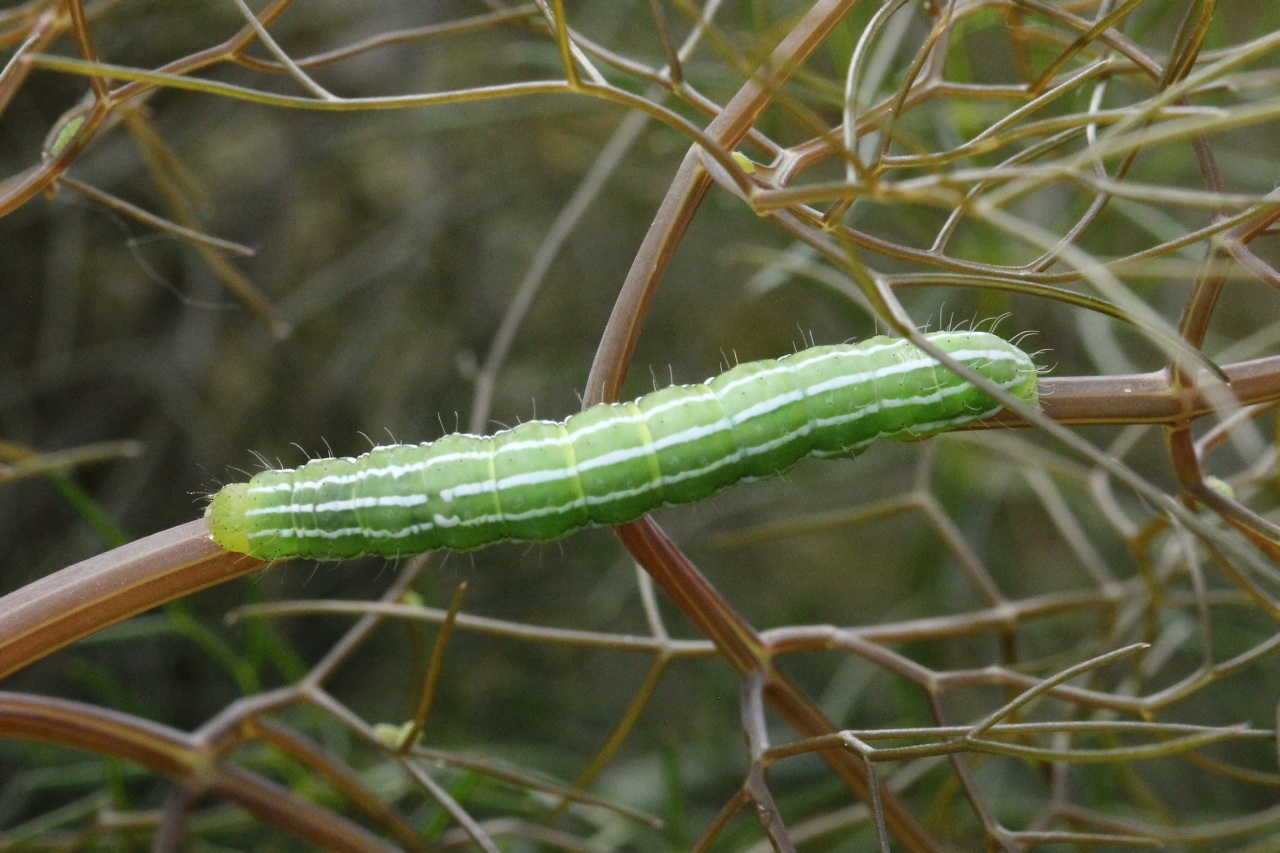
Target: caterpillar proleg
{"type": "Point", "coordinates": [612, 463]}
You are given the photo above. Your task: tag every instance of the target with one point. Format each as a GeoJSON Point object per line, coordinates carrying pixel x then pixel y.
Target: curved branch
{"type": "Point", "coordinates": [178, 756]}
{"type": "Point", "coordinates": [59, 609]}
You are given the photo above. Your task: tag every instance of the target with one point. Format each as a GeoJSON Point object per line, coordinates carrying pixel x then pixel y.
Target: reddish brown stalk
{"type": "Point", "coordinates": [86, 597]}
{"type": "Point", "coordinates": [750, 656]}
{"type": "Point", "coordinates": [184, 759]}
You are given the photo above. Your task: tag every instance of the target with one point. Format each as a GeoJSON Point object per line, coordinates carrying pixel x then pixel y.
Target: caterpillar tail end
{"type": "Point", "coordinates": [225, 516]}
{"type": "Point", "coordinates": [1027, 388]}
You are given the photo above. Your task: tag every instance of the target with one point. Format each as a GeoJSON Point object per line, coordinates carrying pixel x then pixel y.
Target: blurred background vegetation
{"type": "Point", "coordinates": [388, 249]}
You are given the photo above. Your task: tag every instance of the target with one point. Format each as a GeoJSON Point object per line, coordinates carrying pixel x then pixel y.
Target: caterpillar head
{"type": "Point", "coordinates": [227, 519]}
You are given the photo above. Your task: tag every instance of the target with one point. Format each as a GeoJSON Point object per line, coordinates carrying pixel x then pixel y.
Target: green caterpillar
{"type": "Point", "coordinates": [613, 463]}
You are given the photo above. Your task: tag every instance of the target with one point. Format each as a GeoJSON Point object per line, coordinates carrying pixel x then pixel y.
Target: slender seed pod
{"type": "Point", "coordinates": [612, 463]}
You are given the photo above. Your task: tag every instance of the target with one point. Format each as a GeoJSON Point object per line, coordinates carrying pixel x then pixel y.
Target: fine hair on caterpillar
{"type": "Point", "coordinates": [612, 463]}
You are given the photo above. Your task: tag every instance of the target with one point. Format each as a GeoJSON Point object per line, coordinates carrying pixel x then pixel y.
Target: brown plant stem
{"type": "Point", "coordinates": [750, 656]}
{"type": "Point", "coordinates": [88, 596]}
{"type": "Point", "coordinates": [1150, 398]}
{"type": "Point", "coordinates": [57, 610]}
{"type": "Point", "coordinates": [182, 758]}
